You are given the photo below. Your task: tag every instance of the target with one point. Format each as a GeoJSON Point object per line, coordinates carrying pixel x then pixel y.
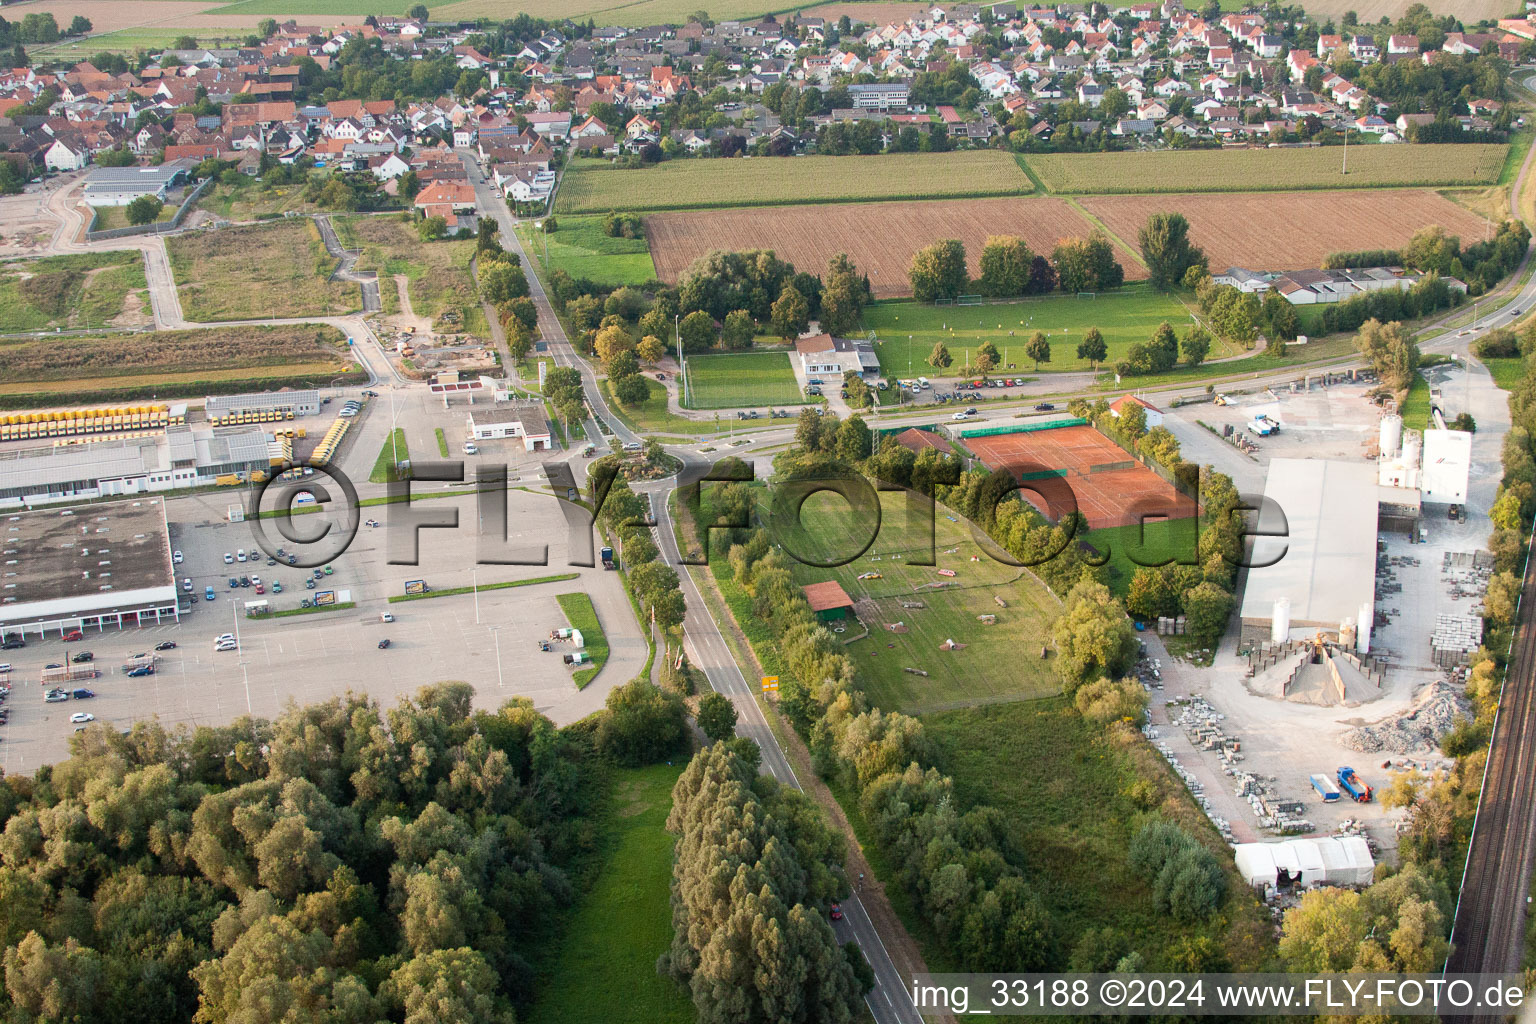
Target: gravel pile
{"type": "Point", "coordinates": [1417, 730]}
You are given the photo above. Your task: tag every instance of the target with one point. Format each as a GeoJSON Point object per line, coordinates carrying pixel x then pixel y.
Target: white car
{"type": "Point", "coordinates": [470, 449]}
{"type": "Point", "coordinates": [961, 416]}
{"type": "Point", "coordinates": [81, 717]}
{"type": "Point", "coordinates": [240, 554]}
{"type": "Point", "coordinates": [226, 645]}
{"type": "Point", "coordinates": [229, 559]}
{"type": "Point", "coordinates": [255, 581]}
{"type": "Point", "coordinates": [186, 584]}
{"type": "Point", "coordinates": [176, 556]}
{"type": "Point", "coordinates": [222, 637]}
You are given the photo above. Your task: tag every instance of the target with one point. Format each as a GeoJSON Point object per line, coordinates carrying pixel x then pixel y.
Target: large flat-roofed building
{"type": "Point", "coordinates": [262, 406]}
{"type": "Point", "coordinates": [86, 567]}
{"type": "Point", "coordinates": [119, 186]}
{"type": "Point", "coordinates": [181, 457]}
{"type": "Point", "coordinates": [1326, 569]}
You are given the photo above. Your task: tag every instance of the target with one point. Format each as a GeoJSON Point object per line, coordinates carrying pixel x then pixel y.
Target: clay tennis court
{"type": "Point", "coordinates": [1110, 488]}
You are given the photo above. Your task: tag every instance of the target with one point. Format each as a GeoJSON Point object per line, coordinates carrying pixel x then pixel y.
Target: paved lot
{"type": "Point", "coordinates": [311, 657]}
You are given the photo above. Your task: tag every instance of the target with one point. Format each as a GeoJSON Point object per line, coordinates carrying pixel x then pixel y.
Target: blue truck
{"type": "Point", "coordinates": [1325, 788]}
{"type": "Point", "coordinates": [1353, 785]}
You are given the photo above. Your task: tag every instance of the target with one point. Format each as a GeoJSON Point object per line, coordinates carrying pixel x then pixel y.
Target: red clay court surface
{"type": "Point", "coordinates": [1118, 494]}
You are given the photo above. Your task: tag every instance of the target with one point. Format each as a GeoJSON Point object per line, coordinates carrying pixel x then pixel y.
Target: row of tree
{"type": "Point", "coordinates": [1010, 268]}
{"type": "Point", "coordinates": [1480, 266]}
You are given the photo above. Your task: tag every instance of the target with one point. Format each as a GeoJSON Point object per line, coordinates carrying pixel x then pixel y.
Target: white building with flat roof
{"type": "Point", "coordinates": [1324, 566]}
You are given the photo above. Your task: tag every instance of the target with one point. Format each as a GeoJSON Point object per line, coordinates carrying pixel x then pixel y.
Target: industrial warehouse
{"type": "Point", "coordinates": [87, 567]}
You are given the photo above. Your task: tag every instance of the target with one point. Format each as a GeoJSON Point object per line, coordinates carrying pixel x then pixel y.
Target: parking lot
{"type": "Point", "coordinates": [306, 658]}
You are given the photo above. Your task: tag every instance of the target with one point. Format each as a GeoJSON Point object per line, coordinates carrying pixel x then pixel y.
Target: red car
{"type": "Point", "coordinates": [836, 912]}
{"type": "Point", "coordinates": [74, 634]}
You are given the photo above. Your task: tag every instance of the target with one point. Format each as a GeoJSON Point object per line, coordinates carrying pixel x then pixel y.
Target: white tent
{"type": "Point", "coordinates": [1325, 860]}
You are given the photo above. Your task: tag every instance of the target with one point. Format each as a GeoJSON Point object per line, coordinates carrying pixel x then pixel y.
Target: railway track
{"type": "Point", "coordinates": [1489, 930]}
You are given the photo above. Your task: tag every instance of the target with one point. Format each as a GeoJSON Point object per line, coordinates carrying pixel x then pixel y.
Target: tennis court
{"type": "Point", "coordinates": [1075, 466]}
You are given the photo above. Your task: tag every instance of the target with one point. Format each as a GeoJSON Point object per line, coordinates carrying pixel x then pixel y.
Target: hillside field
{"type": "Point", "coordinates": [1252, 170]}
{"type": "Point", "coordinates": [592, 186]}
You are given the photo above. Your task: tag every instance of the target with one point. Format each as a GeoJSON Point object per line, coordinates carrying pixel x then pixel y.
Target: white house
{"type": "Point", "coordinates": [66, 156]}
{"type": "Point", "coordinates": [1153, 413]}
{"type": "Point", "coordinates": [525, 420]}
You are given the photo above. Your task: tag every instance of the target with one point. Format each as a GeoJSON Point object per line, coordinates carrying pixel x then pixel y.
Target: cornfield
{"type": "Point", "coordinates": [268, 349]}
{"type": "Point", "coordinates": [1250, 170]}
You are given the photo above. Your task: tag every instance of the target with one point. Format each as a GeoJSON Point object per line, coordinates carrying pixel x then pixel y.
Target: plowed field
{"type": "Point", "coordinates": [1291, 230]}
{"type": "Point", "coordinates": [880, 237]}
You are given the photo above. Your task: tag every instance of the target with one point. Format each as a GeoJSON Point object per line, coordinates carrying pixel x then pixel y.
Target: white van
{"type": "Point", "coordinates": [923, 383]}
{"type": "Point", "coordinates": [470, 449]}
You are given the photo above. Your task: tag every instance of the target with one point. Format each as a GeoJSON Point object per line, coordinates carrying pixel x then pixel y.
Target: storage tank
{"type": "Point", "coordinates": [1391, 434]}
{"type": "Point", "coordinates": [1280, 628]}
{"type": "Point", "coordinates": [1347, 633]}
{"type": "Point", "coordinates": [1363, 634]}
{"type": "Point", "coordinates": [1413, 442]}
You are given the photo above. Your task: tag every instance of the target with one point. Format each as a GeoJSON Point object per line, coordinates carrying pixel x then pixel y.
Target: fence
{"type": "Point", "coordinates": [1024, 428]}
{"type": "Point", "coordinates": [158, 227]}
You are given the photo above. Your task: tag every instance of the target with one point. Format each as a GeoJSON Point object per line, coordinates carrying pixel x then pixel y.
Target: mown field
{"type": "Point", "coordinates": [592, 186]}
{"type": "Point", "coordinates": [742, 379]}
{"type": "Point", "coordinates": [652, 415]}
{"type": "Point", "coordinates": [1072, 797]}
{"type": "Point", "coordinates": [907, 331]}
{"type": "Point", "coordinates": [437, 272]}
{"type": "Point", "coordinates": [169, 357]}
{"type": "Point", "coordinates": [258, 271]}
{"type": "Point", "coordinates": [108, 217]}
{"type": "Point", "coordinates": [1292, 230]}
{"type": "Point", "coordinates": [75, 291]}
{"type": "Point", "coordinates": [880, 237]}
{"type": "Point", "coordinates": [605, 12]}
{"type": "Point", "coordinates": [602, 970]}
{"type": "Point", "coordinates": [1250, 170]}
{"type": "Point", "coordinates": [999, 662]}
{"type": "Point", "coordinates": [580, 613]}
{"type": "Point", "coordinates": [580, 248]}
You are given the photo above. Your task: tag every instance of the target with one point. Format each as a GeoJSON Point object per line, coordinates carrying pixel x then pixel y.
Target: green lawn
{"type": "Point", "coordinates": [117, 216]}
{"type": "Point", "coordinates": [999, 662]}
{"type": "Point", "coordinates": [1073, 798]}
{"type": "Point", "coordinates": [580, 248]}
{"type": "Point", "coordinates": [1161, 539]}
{"type": "Point", "coordinates": [581, 615]}
{"type": "Point", "coordinates": [742, 379]}
{"type": "Point", "coordinates": [652, 416]}
{"type": "Point", "coordinates": [1506, 372]}
{"type": "Point", "coordinates": [391, 453]}
{"type": "Point", "coordinates": [1415, 410]}
{"type": "Point", "coordinates": [75, 291]}
{"type": "Point", "coordinates": [603, 970]}
{"type": "Point", "coordinates": [130, 40]}
{"type": "Point", "coordinates": [907, 331]}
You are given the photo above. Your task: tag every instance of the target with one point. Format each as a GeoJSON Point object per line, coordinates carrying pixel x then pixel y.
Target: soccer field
{"type": "Point", "coordinates": [907, 331]}
{"type": "Point", "coordinates": [741, 380]}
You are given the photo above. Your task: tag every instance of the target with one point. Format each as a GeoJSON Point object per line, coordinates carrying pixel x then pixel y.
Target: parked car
{"type": "Point", "coordinates": [81, 717]}
{"type": "Point", "coordinates": [142, 670]}
{"type": "Point", "coordinates": [166, 645]}
{"type": "Point", "coordinates": [83, 657]}
{"type": "Point", "coordinates": [384, 644]}
{"type": "Point", "coordinates": [176, 556]}
{"type": "Point", "coordinates": [224, 636]}
{"type": "Point", "coordinates": [12, 644]}
{"type": "Point", "coordinates": [55, 697]}
{"type": "Point", "coordinates": [245, 581]}
{"type": "Point", "coordinates": [229, 559]}
{"type": "Point", "coordinates": [207, 593]}
{"type": "Point", "coordinates": [240, 554]}
{"type": "Point", "coordinates": [1044, 407]}
{"type": "Point", "coordinates": [74, 634]}
{"type": "Point", "coordinates": [82, 693]}
{"type": "Point", "coordinates": [186, 584]}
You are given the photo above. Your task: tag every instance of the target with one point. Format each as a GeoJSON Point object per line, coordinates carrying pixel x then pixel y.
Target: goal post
{"type": "Point", "coordinates": [1087, 295]}
{"type": "Point", "coordinates": [968, 300]}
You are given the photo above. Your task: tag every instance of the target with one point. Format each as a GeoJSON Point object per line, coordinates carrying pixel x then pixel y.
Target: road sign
{"type": "Point", "coordinates": [770, 684]}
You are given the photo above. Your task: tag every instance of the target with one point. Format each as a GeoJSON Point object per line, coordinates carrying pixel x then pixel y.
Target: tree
{"type": "Point", "coordinates": [1206, 608]}
{"type": "Point", "coordinates": [791, 314]}
{"type": "Point", "coordinates": [641, 724]}
{"type": "Point", "coordinates": [854, 440]}
{"type": "Point", "coordinates": [266, 28]}
{"type": "Point", "coordinates": [736, 334]}
{"type": "Point", "coordinates": [808, 430]}
{"type": "Point", "coordinates": [717, 716]}
{"type": "Point", "coordinates": [144, 209]}
{"type": "Point", "coordinates": [185, 43]}
{"type": "Point", "coordinates": [938, 271]}
{"type": "Point", "coordinates": [418, 12]}
{"type": "Point", "coordinates": [611, 341]}
{"type": "Point", "coordinates": [987, 357]}
{"type": "Point", "coordinates": [433, 228]}
{"type": "Point", "coordinates": [1006, 262]}
{"type": "Point", "coordinates": [1092, 347]}
{"type": "Point", "coordinates": [1280, 317]}
{"type": "Point", "coordinates": [501, 280]}
{"type": "Point", "coordinates": [623, 364]}
{"type": "Point", "coordinates": [843, 297]}
{"type": "Point", "coordinates": [940, 358]}
{"type": "Point", "coordinates": [651, 350]}
{"type": "Point", "coordinates": [697, 332]}
{"type": "Point", "coordinates": [1197, 345]}
{"type": "Point", "coordinates": [1092, 635]}
{"type": "Point", "coordinates": [1038, 348]}
{"type": "Point", "coordinates": [1151, 594]}
{"type": "Point", "coordinates": [1391, 351]}
{"type": "Point", "coordinates": [631, 389]}
{"type": "Point", "coordinates": [1087, 264]}
{"type": "Point", "coordinates": [1167, 250]}
{"type": "Point", "coordinates": [80, 25]}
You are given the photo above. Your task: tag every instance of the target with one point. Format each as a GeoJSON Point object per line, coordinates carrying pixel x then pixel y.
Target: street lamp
{"type": "Point", "coordinates": [496, 635]}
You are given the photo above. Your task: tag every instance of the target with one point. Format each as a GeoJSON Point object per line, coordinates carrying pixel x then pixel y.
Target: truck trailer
{"type": "Point", "coordinates": [608, 558]}
{"type": "Point", "coordinates": [69, 673]}
{"type": "Point", "coordinates": [1351, 783]}
{"type": "Point", "coordinates": [1325, 788]}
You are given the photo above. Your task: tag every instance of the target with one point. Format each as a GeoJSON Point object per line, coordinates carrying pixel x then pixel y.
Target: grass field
{"type": "Point", "coordinates": [1072, 798]}
{"type": "Point", "coordinates": [581, 615]}
{"type": "Point", "coordinates": [908, 330]}
{"type": "Point", "coordinates": [315, 9]}
{"type": "Point", "coordinates": [258, 271]}
{"type": "Point", "coordinates": [603, 968]}
{"type": "Point", "coordinates": [75, 291]}
{"type": "Point", "coordinates": [438, 272]}
{"type": "Point", "coordinates": [595, 187]}
{"type": "Point", "coordinates": [1161, 539]}
{"type": "Point", "coordinates": [131, 40]}
{"type": "Point", "coordinates": [652, 417]}
{"type": "Point", "coordinates": [247, 200]}
{"type": "Point", "coordinates": [1000, 661]}
{"type": "Point", "coordinates": [169, 357]}
{"type": "Point", "coordinates": [1506, 373]}
{"type": "Point", "coordinates": [1415, 410]}
{"type": "Point", "coordinates": [608, 12]}
{"type": "Point", "coordinates": [741, 380]}
{"type": "Point", "coordinates": [580, 248]}
{"type": "Point", "coordinates": [1249, 170]}
{"type": "Point", "coordinates": [391, 453]}
{"type": "Point", "coordinates": [107, 217]}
